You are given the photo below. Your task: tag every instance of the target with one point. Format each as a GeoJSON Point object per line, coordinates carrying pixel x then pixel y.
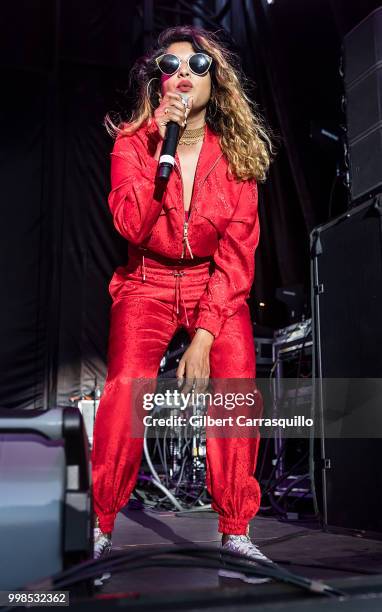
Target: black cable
{"type": "Point", "coordinates": [158, 447]}
{"type": "Point", "coordinates": [211, 557]}
{"type": "Point", "coordinates": [184, 461]}
{"type": "Point", "coordinates": [278, 458]}
{"type": "Point", "coordinates": [329, 567]}
{"type": "Point", "coordinates": [280, 510]}
{"type": "Point", "coordinates": [285, 475]}
{"type": "Point", "coordinates": [292, 484]}
{"type": "Point", "coordinates": [165, 457]}
{"type": "Point", "coordinates": [276, 504]}
{"type": "Point", "coordinates": [294, 502]}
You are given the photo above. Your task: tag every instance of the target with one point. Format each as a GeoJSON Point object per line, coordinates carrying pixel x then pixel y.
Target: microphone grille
{"type": "Point", "coordinates": [184, 97]}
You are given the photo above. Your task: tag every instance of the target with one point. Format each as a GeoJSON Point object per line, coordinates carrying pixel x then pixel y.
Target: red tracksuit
{"type": "Point", "coordinates": [195, 273]}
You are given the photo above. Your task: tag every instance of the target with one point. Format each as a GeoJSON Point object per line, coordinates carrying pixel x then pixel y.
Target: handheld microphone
{"type": "Point", "coordinates": [167, 155]}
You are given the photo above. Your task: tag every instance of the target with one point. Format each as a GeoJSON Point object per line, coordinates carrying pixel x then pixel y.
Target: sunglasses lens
{"type": "Point", "coordinates": [199, 63]}
{"type": "Point", "coordinates": [168, 63]}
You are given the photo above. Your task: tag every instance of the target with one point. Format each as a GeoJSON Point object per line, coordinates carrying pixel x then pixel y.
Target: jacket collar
{"type": "Point", "coordinates": [210, 154]}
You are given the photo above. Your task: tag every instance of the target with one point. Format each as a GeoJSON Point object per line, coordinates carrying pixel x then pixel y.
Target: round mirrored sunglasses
{"type": "Point", "coordinates": [198, 63]}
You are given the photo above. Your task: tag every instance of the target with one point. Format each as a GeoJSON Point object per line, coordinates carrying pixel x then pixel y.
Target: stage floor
{"type": "Point", "coordinates": [299, 547]}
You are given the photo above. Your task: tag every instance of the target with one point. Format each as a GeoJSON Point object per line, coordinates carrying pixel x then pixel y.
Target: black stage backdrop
{"type": "Point", "coordinates": [63, 65]}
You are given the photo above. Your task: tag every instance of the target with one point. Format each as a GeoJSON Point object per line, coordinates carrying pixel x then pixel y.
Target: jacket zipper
{"type": "Point", "coordinates": [185, 239]}
{"type": "Point", "coordinates": [185, 223]}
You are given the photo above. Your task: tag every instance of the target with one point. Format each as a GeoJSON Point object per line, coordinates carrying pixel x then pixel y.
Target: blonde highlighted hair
{"type": "Point", "coordinates": [245, 139]}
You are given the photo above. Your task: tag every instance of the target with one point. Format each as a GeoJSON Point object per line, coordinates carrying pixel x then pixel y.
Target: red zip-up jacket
{"type": "Point", "coordinates": [223, 221]}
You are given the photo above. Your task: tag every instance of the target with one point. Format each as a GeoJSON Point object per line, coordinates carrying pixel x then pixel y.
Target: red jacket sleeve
{"type": "Point", "coordinates": [231, 281]}
{"type": "Point", "coordinates": [132, 199]}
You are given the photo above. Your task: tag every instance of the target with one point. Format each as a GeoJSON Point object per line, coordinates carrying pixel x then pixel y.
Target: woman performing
{"type": "Point", "coordinates": [191, 263]}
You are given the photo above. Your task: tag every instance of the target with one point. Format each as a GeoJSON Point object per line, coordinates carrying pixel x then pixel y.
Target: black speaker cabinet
{"type": "Point", "coordinates": [363, 87]}
{"type": "Point", "coordinates": [346, 275]}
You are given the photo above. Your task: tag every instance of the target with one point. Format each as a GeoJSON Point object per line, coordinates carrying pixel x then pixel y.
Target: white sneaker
{"type": "Point", "coordinates": [242, 544]}
{"type": "Point", "coordinates": [102, 549]}
{"type": "Point", "coordinates": [102, 544]}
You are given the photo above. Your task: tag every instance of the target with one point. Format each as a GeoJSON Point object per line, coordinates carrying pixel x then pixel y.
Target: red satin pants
{"type": "Point", "coordinates": [151, 301]}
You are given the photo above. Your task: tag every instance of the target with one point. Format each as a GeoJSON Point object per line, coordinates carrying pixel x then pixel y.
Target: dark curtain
{"type": "Point", "coordinates": [64, 64]}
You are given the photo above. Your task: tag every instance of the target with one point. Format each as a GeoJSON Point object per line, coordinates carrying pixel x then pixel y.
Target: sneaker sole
{"type": "Point", "coordinates": [99, 581]}
{"type": "Point", "coordinates": [243, 577]}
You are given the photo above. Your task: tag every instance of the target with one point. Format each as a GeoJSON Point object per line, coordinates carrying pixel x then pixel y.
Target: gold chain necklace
{"type": "Point", "coordinates": [190, 137]}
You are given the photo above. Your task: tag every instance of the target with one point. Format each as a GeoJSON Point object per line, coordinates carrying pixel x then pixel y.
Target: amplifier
{"type": "Point", "coordinates": [363, 91]}
{"type": "Point", "coordinates": [346, 276]}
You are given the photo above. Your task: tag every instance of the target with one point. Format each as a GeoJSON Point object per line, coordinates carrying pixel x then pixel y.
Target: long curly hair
{"type": "Point", "coordinates": [244, 137]}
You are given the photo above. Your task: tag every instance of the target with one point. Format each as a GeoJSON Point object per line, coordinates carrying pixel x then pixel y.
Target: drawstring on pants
{"type": "Point", "coordinates": [178, 293]}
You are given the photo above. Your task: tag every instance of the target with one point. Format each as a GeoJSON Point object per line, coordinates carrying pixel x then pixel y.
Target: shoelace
{"type": "Point", "coordinates": [245, 546]}
{"type": "Point", "coordinates": [101, 543]}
